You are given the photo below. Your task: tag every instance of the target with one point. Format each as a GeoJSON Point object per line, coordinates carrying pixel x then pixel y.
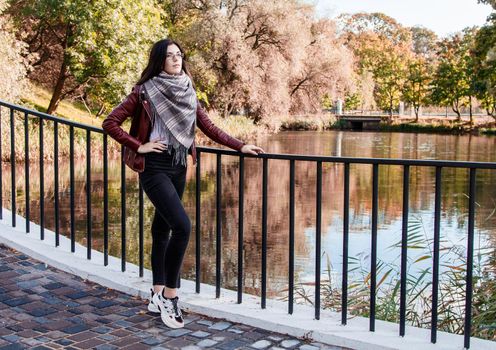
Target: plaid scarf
{"type": "Point", "coordinates": [173, 101]}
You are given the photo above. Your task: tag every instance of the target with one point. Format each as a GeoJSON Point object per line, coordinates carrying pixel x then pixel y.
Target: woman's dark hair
{"type": "Point", "coordinates": [157, 58]}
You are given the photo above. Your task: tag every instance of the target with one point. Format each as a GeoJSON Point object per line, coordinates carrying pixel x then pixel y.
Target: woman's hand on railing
{"type": "Point", "coordinates": [251, 149]}
{"type": "Point", "coordinates": [152, 146]}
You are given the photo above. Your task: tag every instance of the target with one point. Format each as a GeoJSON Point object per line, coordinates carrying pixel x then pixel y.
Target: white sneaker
{"type": "Point", "coordinates": [169, 311]}
{"type": "Point", "coordinates": [152, 307]}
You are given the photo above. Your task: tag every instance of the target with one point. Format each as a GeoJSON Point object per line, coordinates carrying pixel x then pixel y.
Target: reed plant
{"type": "Point", "coordinates": [452, 281]}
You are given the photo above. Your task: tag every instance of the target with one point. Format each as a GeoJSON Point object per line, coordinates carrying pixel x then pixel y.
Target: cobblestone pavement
{"type": "Point", "coordinates": [45, 308]}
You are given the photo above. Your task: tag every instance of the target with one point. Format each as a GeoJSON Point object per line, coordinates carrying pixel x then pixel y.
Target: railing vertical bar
{"type": "Point", "coordinates": [42, 184]}
{"type": "Point", "coordinates": [123, 211]}
{"type": "Point", "coordinates": [264, 231]}
{"type": "Point", "coordinates": [435, 260]}
{"type": "Point", "coordinates": [218, 228]}
{"type": "Point", "coordinates": [373, 256]}
{"type": "Point", "coordinates": [141, 230]}
{"type": "Point", "coordinates": [404, 248]}
{"type": "Point", "coordinates": [12, 168]}
{"type": "Point", "coordinates": [318, 236]}
{"type": "Point", "coordinates": [72, 188]}
{"type": "Point", "coordinates": [88, 195]}
{"type": "Point", "coordinates": [346, 217]}
{"type": "Point", "coordinates": [26, 169]}
{"type": "Point", "coordinates": [198, 224]}
{"type": "Point", "coordinates": [105, 201]}
{"type": "Point", "coordinates": [291, 234]}
{"type": "Point", "coordinates": [470, 260]}
{"type": "Point", "coordinates": [241, 189]}
{"type": "Point", "coordinates": [56, 181]}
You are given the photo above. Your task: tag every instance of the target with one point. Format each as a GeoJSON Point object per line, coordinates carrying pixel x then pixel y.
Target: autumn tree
{"type": "Point", "coordinates": [94, 49]}
{"type": "Point", "coordinates": [249, 56]}
{"type": "Point", "coordinates": [416, 88]}
{"type": "Point", "coordinates": [13, 66]}
{"type": "Point", "coordinates": [452, 81]}
{"type": "Point", "coordinates": [382, 47]}
{"type": "Point", "coordinates": [484, 60]}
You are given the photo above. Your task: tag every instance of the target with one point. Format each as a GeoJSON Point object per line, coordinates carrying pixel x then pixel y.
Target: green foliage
{"type": "Point", "coordinates": [352, 101]}
{"type": "Point", "coordinates": [12, 64]}
{"type": "Point", "coordinates": [452, 81]}
{"type": "Point", "coordinates": [102, 45]}
{"type": "Point", "coordinates": [389, 74]}
{"type": "Point", "coordinates": [484, 58]}
{"type": "Point", "coordinates": [417, 84]}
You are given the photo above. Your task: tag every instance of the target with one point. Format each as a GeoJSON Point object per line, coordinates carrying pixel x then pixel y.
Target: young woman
{"type": "Point", "coordinates": [165, 111]}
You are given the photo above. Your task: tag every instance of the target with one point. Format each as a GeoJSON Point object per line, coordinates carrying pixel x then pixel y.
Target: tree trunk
{"type": "Point", "coordinates": [457, 111]}
{"type": "Point", "coordinates": [416, 109]}
{"type": "Point", "coordinates": [57, 91]}
{"type": "Point", "coordinates": [470, 111]}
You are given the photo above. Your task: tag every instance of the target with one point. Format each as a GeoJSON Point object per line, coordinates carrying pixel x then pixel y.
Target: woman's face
{"type": "Point", "coordinates": [174, 62]}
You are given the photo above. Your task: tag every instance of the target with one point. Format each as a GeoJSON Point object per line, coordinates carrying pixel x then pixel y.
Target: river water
{"type": "Point", "coordinates": [454, 206]}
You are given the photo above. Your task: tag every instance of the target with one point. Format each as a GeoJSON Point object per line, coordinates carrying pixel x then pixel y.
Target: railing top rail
{"type": "Point", "coordinates": [51, 117]}
{"type": "Point", "coordinates": [282, 156]}
{"type": "Point", "coordinates": [352, 160]}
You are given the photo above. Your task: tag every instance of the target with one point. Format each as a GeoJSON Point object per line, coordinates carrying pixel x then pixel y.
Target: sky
{"type": "Point", "coordinates": [441, 16]}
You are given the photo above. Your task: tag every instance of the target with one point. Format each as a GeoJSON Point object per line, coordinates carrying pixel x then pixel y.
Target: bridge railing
{"type": "Point", "coordinates": [318, 162]}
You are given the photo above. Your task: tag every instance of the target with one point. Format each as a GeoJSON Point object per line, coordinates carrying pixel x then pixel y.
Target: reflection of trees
{"type": "Point", "coordinates": [454, 200]}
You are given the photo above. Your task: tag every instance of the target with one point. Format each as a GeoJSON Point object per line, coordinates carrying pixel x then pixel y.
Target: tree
{"type": "Point", "coordinates": [250, 56]}
{"type": "Point", "coordinates": [382, 47]}
{"type": "Point", "coordinates": [424, 42]}
{"type": "Point", "coordinates": [95, 48]}
{"type": "Point", "coordinates": [452, 82]}
{"type": "Point", "coordinates": [13, 67]}
{"type": "Point", "coordinates": [484, 61]}
{"type": "Point", "coordinates": [417, 84]}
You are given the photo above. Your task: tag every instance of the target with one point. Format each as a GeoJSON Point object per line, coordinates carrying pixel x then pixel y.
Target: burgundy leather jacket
{"type": "Point", "coordinates": [138, 108]}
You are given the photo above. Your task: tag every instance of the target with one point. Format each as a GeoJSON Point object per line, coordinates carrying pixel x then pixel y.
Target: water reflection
{"type": "Point", "coordinates": [383, 145]}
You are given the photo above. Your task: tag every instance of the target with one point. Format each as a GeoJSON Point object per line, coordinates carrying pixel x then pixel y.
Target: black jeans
{"type": "Point", "coordinates": [164, 184]}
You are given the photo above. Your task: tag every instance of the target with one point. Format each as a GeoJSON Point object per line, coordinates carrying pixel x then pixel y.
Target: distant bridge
{"type": "Point", "coordinates": [362, 122]}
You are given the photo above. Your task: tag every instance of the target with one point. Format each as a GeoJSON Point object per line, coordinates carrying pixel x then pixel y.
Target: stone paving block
{"type": "Point", "coordinates": [89, 344]}
{"type": "Point", "coordinates": [235, 330]}
{"type": "Point", "coordinates": [82, 336]}
{"type": "Point", "coordinates": [205, 322]}
{"type": "Point", "coordinates": [220, 326]}
{"type": "Point", "coordinates": [261, 344]}
{"type": "Point", "coordinates": [206, 343]}
{"type": "Point", "coordinates": [102, 330]}
{"type": "Point", "coordinates": [151, 341]}
{"type": "Point", "coordinates": [309, 347]}
{"type": "Point", "coordinates": [11, 338]}
{"type": "Point", "coordinates": [177, 332]}
{"type": "Point", "coordinates": [108, 337]}
{"type": "Point", "coordinates": [75, 329]}
{"type": "Point", "coordinates": [178, 343]}
{"type": "Point", "coordinates": [231, 345]}
{"type": "Point", "coordinates": [17, 301]}
{"type": "Point", "coordinates": [289, 343]}
{"type": "Point", "coordinates": [200, 334]}
{"type": "Point", "coordinates": [54, 285]}
{"type": "Point", "coordinates": [16, 346]}
{"type": "Point", "coordinates": [106, 347]}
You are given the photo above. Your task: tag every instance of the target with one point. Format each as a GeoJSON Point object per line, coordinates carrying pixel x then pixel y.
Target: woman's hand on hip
{"type": "Point", "coordinates": [152, 146]}
{"type": "Point", "coordinates": [251, 149]}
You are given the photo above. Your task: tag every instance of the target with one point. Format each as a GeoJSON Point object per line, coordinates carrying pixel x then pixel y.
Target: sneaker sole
{"type": "Point", "coordinates": [169, 322]}
{"type": "Point", "coordinates": [153, 308]}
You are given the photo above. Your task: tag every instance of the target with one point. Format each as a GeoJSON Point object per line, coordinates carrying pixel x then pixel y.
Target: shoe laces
{"type": "Point", "coordinates": [177, 310]}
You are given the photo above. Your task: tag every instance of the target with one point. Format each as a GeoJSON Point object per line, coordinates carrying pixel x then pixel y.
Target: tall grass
{"type": "Point", "coordinates": [451, 306]}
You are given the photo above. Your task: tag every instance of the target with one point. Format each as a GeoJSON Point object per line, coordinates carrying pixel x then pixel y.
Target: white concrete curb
{"type": "Point", "coordinates": [275, 318]}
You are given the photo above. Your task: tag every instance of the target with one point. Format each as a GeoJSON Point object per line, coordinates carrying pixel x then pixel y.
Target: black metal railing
{"type": "Point", "coordinates": [266, 158]}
